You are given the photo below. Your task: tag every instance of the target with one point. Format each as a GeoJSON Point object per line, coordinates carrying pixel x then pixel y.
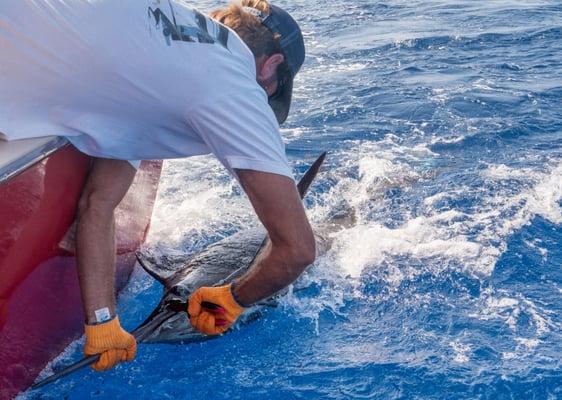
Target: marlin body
{"type": "Point", "coordinates": [219, 264]}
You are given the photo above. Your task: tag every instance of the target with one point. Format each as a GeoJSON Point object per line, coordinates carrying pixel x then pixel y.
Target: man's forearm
{"type": "Point", "coordinates": [96, 265]}
{"type": "Point", "coordinates": [277, 203]}
{"type": "Point", "coordinates": [107, 184]}
{"type": "Point", "coordinates": [274, 270]}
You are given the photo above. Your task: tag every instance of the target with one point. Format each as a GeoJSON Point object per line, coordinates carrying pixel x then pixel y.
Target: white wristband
{"type": "Point", "coordinates": [102, 315]}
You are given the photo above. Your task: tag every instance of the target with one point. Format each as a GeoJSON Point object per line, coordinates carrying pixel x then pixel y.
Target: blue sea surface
{"type": "Point", "coordinates": [443, 126]}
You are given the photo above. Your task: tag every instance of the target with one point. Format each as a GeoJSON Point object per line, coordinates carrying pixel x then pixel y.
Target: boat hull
{"type": "Point", "coordinates": [40, 306]}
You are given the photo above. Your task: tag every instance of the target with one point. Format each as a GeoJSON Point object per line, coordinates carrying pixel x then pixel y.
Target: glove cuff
{"type": "Point", "coordinates": [235, 297]}
{"type": "Point", "coordinates": [104, 335]}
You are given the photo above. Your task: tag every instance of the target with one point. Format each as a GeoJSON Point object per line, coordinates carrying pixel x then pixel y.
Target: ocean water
{"type": "Point", "coordinates": [443, 126]}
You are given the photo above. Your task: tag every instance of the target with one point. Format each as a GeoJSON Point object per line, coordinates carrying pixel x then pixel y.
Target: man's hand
{"type": "Point", "coordinates": [112, 342]}
{"type": "Point", "coordinates": [213, 320]}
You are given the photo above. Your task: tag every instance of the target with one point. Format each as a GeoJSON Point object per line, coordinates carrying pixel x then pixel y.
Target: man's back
{"type": "Point", "coordinates": [107, 73]}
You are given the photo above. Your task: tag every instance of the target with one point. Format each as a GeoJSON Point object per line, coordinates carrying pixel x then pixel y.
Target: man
{"type": "Point", "coordinates": [151, 79]}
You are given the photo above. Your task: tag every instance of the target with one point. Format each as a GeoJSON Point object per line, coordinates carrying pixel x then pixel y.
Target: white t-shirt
{"type": "Point", "coordinates": [134, 79]}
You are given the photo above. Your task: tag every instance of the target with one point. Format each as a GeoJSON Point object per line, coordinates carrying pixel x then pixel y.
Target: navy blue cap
{"type": "Point", "coordinates": [292, 44]}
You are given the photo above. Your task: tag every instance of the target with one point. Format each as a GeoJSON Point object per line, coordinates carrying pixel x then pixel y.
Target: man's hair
{"type": "Point", "coordinates": [250, 29]}
{"type": "Point", "coordinates": [257, 36]}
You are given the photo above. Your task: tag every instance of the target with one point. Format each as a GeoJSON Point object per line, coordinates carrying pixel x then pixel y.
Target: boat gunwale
{"type": "Point", "coordinates": [31, 158]}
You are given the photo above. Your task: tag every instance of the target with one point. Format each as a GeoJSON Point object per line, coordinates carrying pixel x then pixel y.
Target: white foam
{"type": "Point", "coordinates": [461, 351]}
{"type": "Point", "coordinates": [197, 198]}
{"type": "Point", "coordinates": [523, 349]}
{"type": "Point", "coordinates": [509, 355]}
{"type": "Point", "coordinates": [529, 344]}
{"type": "Point", "coordinates": [534, 245]}
{"type": "Point", "coordinates": [544, 199]}
{"type": "Point", "coordinates": [421, 237]}
{"type": "Point", "coordinates": [502, 171]}
{"type": "Point", "coordinates": [451, 139]}
{"type": "Point", "coordinates": [507, 212]}
{"type": "Point", "coordinates": [499, 306]}
{"type": "Point", "coordinates": [471, 239]}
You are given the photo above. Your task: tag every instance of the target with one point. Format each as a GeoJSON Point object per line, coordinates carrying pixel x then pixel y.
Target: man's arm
{"type": "Point", "coordinates": [107, 184]}
{"type": "Point", "coordinates": [291, 247]}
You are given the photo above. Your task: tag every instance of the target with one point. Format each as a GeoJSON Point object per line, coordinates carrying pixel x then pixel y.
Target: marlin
{"type": "Point", "coordinates": [219, 264]}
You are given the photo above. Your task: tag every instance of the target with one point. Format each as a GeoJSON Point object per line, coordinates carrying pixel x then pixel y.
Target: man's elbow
{"type": "Point", "coordinates": [304, 252]}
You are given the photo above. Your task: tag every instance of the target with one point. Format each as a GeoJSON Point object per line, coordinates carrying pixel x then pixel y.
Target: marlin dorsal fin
{"type": "Point", "coordinates": [309, 175]}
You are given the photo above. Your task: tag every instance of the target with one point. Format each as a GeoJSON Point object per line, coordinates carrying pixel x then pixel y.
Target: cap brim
{"type": "Point", "coordinates": [281, 103]}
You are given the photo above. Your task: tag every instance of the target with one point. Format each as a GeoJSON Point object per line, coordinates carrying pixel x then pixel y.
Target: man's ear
{"type": "Point", "coordinates": [268, 67]}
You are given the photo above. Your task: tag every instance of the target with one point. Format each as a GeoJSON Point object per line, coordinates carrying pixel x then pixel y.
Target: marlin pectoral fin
{"type": "Point", "coordinates": [155, 270]}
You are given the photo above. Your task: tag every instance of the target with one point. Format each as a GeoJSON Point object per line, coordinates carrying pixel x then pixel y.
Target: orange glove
{"type": "Point", "coordinates": [215, 320]}
{"type": "Point", "coordinates": [112, 342]}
